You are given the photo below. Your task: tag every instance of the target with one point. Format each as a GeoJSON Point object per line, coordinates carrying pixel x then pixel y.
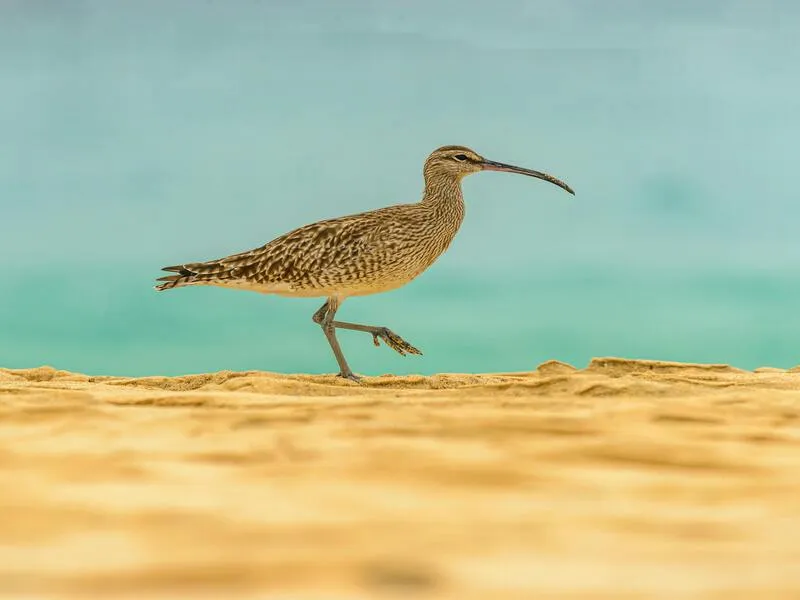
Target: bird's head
{"type": "Point", "coordinates": [460, 161]}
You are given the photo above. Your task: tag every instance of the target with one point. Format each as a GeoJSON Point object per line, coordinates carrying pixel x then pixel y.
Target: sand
{"type": "Point", "coordinates": [626, 479]}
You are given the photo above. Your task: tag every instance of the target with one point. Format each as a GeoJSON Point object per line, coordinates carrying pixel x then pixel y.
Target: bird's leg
{"type": "Point", "coordinates": [324, 317]}
{"type": "Point", "coordinates": [389, 337]}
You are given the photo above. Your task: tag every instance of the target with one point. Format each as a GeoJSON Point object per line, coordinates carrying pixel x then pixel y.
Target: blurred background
{"type": "Point", "coordinates": [148, 133]}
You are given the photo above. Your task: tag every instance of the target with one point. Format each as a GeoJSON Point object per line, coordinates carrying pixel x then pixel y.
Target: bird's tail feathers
{"type": "Point", "coordinates": [191, 274]}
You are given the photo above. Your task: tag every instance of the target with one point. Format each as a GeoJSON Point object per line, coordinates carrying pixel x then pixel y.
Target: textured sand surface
{"type": "Point", "coordinates": [627, 479]}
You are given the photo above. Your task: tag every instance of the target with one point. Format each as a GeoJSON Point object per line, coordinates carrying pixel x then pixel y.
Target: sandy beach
{"type": "Point", "coordinates": [626, 479]}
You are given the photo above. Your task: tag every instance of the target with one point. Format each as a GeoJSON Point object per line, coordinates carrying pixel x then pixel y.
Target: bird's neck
{"type": "Point", "coordinates": [441, 212]}
{"type": "Point", "coordinates": [442, 191]}
{"type": "Point", "coordinates": [443, 203]}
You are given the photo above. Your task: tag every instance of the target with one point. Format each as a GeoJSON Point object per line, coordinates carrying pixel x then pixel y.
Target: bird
{"type": "Point", "coordinates": [356, 255]}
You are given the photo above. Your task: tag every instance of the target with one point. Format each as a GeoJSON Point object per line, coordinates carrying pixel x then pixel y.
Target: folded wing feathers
{"type": "Point", "coordinates": [310, 252]}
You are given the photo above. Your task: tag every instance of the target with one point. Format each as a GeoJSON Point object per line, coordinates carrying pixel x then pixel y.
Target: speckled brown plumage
{"type": "Point", "coordinates": [355, 255]}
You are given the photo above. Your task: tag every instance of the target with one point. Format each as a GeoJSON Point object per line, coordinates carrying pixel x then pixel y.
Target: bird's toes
{"type": "Point", "coordinates": [413, 350]}
{"type": "Point", "coordinates": [395, 342]}
{"type": "Point", "coordinates": [350, 377]}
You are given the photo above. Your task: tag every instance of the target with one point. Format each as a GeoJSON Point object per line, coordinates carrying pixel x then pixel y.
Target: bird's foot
{"type": "Point", "coordinates": [350, 376]}
{"type": "Point", "coordinates": [394, 341]}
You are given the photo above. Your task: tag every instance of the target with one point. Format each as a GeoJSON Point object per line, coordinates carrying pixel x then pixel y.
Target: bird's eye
{"type": "Point", "coordinates": [461, 157]}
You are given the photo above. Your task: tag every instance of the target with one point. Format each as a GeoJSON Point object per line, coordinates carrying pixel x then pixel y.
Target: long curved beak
{"type": "Point", "coordinates": [490, 165]}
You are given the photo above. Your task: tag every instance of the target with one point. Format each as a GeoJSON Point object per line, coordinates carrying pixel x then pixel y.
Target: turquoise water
{"type": "Point", "coordinates": [143, 134]}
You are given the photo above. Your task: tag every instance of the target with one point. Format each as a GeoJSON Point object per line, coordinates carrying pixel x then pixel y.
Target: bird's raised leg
{"type": "Point", "coordinates": [324, 317]}
{"type": "Point", "coordinates": [389, 337]}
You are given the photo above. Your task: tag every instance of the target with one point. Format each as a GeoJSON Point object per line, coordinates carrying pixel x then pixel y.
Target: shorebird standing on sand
{"type": "Point", "coordinates": [356, 255]}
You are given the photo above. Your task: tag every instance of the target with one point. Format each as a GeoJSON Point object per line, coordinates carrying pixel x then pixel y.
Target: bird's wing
{"type": "Point", "coordinates": [304, 255]}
